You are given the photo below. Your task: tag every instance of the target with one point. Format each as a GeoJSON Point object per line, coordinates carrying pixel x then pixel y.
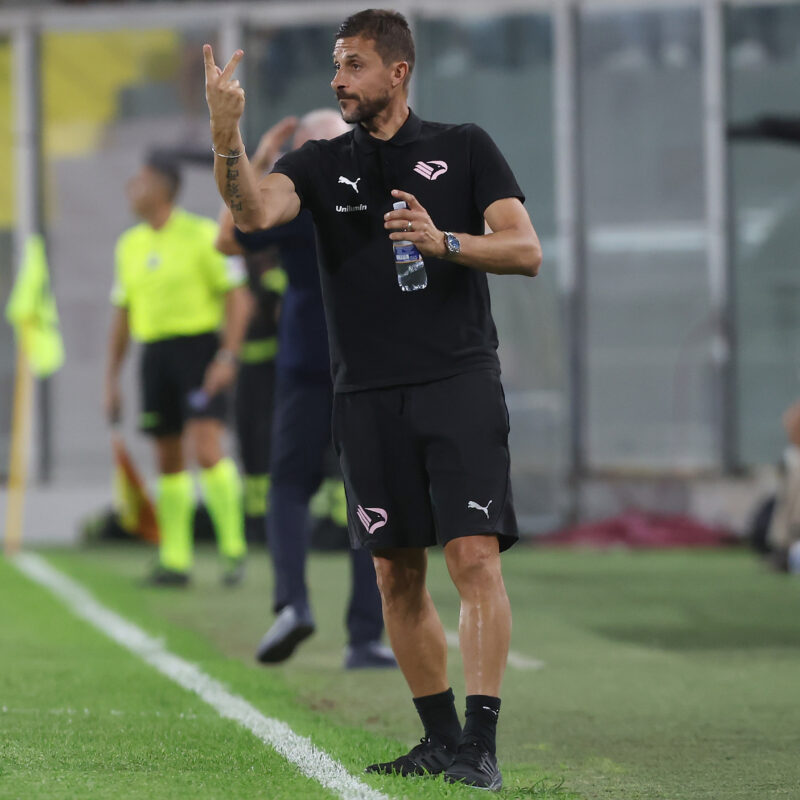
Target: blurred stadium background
{"type": "Point", "coordinates": [649, 363]}
{"type": "Point", "coordinates": [646, 367]}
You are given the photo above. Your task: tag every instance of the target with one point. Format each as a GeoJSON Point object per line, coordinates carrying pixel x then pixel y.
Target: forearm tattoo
{"type": "Point", "coordinates": [232, 189]}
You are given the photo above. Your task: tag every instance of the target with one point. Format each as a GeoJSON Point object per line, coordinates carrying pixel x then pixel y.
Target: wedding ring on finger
{"type": "Point", "coordinates": [410, 226]}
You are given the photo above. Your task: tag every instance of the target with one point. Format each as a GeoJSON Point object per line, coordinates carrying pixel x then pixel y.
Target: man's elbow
{"type": "Point", "coordinates": [255, 220]}
{"type": "Point", "coordinates": [530, 259]}
{"type": "Point", "coordinates": [248, 226]}
{"type": "Point", "coordinates": [227, 245]}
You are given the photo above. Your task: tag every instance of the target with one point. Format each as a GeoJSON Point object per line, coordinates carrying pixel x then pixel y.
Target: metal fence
{"type": "Point", "coordinates": [661, 335]}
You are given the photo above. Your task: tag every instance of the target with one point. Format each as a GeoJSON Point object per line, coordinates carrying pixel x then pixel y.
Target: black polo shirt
{"type": "Point", "coordinates": [379, 335]}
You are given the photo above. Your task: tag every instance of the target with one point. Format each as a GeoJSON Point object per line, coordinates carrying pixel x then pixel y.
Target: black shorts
{"type": "Point", "coordinates": [426, 463]}
{"type": "Point", "coordinates": [172, 372]}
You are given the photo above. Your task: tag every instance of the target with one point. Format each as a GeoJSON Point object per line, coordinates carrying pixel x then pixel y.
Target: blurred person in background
{"type": "Point", "coordinates": [255, 385]}
{"type": "Point", "coordinates": [775, 528]}
{"type": "Point", "coordinates": [172, 292]}
{"type": "Point", "coordinates": [302, 421]}
{"type": "Point", "coordinates": [783, 536]}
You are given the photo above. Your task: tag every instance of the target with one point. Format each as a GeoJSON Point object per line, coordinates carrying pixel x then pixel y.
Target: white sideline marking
{"type": "Point", "coordinates": [514, 659]}
{"type": "Point", "coordinates": [299, 750]}
{"type": "Point", "coordinates": [73, 712]}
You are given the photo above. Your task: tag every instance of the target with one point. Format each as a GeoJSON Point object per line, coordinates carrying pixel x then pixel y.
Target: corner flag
{"type": "Point", "coordinates": [32, 311]}
{"type": "Point", "coordinates": [132, 503]}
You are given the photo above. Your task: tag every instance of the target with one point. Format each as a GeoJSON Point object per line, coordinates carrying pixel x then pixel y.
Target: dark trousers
{"type": "Point", "coordinates": [255, 394]}
{"type": "Point", "coordinates": [301, 435]}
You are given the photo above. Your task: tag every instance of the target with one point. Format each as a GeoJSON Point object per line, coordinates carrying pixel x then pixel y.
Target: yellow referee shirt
{"type": "Point", "coordinates": [173, 280]}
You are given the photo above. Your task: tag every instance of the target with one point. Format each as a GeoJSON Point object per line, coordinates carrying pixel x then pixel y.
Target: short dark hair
{"type": "Point", "coordinates": [168, 168]}
{"type": "Point", "coordinates": [388, 29]}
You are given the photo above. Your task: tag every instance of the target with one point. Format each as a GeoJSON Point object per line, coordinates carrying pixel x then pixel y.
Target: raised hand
{"type": "Point", "coordinates": [224, 95]}
{"type": "Point", "coordinates": [271, 142]}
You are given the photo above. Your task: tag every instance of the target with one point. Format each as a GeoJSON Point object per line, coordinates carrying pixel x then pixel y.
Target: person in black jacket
{"type": "Point", "coordinates": [301, 425]}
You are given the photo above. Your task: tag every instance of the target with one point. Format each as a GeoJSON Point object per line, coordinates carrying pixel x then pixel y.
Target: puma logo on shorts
{"type": "Point", "coordinates": [485, 509]}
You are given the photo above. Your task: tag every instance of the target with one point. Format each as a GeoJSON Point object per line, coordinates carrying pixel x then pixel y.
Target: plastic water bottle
{"type": "Point", "coordinates": [411, 274]}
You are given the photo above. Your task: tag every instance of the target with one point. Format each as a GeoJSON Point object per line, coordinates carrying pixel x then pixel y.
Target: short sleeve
{"type": "Point", "coordinates": [252, 242]}
{"type": "Point", "coordinates": [492, 178]}
{"type": "Point", "coordinates": [224, 272]}
{"type": "Point", "coordinates": [298, 166]}
{"type": "Point", "coordinates": [227, 272]}
{"type": "Point", "coordinates": [236, 271]}
{"type": "Point", "coordinates": [299, 227]}
{"type": "Point", "coordinates": [119, 291]}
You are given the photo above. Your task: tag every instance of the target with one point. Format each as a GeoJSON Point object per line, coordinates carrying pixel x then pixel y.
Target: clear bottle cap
{"type": "Point", "coordinates": [399, 204]}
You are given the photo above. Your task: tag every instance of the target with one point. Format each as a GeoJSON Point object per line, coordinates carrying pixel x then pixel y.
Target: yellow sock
{"type": "Point", "coordinates": [175, 508]}
{"type": "Point", "coordinates": [223, 496]}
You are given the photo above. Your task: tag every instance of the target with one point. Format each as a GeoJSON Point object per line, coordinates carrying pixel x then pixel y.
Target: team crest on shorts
{"type": "Point", "coordinates": [372, 518]}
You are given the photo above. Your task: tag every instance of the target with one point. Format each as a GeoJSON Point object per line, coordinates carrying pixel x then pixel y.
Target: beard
{"type": "Point", "coordinates": [367, 109]}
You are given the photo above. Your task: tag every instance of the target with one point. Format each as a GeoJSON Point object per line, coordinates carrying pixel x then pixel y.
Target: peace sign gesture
{"type": "Point", "coordinates": [225, 96]}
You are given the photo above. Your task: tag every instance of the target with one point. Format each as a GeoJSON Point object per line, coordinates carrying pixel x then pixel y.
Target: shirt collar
{"type": "Point", "coordinates": [170, 223]}
{"type": "Point", "coordinates": [409, 132]}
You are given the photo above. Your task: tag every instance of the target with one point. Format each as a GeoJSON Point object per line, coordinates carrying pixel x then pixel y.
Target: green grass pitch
{"type": "Point", "coordinates": [668, 676]}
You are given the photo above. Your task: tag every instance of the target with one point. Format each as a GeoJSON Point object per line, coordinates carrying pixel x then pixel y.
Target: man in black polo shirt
{"type": "Point", "coordinates": [419, 419]}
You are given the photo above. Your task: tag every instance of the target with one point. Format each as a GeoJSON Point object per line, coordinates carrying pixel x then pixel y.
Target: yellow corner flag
{"type": "Point", "coordinates": [32, 311]}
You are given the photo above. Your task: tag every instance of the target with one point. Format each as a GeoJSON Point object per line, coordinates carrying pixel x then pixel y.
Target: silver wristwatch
{"type": "Point", "coordinates": [452, 244]}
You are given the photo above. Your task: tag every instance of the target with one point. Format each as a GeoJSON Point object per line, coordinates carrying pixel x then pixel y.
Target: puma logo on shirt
{"type": "Point", "coordinates": [354, 183]}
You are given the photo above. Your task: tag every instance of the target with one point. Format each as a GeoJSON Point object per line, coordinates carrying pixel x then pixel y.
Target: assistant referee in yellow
{"type": "Point", "coordinates": [188, 306]}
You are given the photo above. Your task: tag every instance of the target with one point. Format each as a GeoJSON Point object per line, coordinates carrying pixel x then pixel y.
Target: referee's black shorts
{"type": "Point", "coordinates": [426, 463]}
{"type": "Point", "coordinates": [171, 375]}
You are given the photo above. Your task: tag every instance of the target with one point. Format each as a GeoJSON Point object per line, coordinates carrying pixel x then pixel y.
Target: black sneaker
{"type": "Point", "coordinates": [475, 765]}
{"type": "Point", "coordinates": [290, 628]}
{"type": "Point", "coordinates": [168, 578]}
{"type": "Point", "coordinates": [427, 758]}
{"type": "Point", "coordinates": [369, 655]}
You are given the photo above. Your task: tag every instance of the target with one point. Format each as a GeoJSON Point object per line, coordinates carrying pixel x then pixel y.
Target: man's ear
{"type": "Point", "coordinates": [399, 73]}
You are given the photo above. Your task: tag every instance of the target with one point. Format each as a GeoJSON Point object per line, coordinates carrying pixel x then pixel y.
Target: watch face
{"type": "Point", "coordinates": [453, 245]}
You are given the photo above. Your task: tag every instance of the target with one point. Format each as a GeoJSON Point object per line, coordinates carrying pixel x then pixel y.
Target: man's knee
{"type": "Point", "coordinates": [473, 560]}
{"type": "Point", "coordinates": [169, 455]}
{"type": "Point", "coordinates": [206, 436]}
{"type": "Point", "coordinates": [400, 574]}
